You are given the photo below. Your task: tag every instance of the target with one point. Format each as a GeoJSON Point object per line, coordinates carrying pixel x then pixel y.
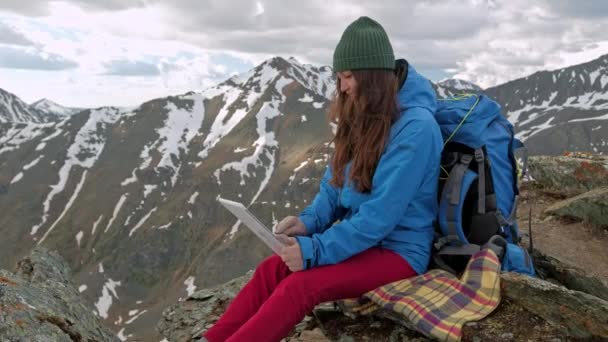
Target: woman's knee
{"type": "Point", "coordinates": [272, 265]}
{"type": "Point", "coordinates": [298, 286]}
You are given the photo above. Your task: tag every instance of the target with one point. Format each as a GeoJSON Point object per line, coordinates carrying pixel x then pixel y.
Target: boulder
{"type": "Point", "coordinates": [577, 314]}
{"type": "Point", "coordinates": [185, 320]}
{"type": "Point", "coordinates": [39, 302]}
{"type": "Point", "coordinates": [590, 207]}
{"type": "Point", "coordinates": [569, 175]}
{"type": "Point", "coordinates": [571, 277]}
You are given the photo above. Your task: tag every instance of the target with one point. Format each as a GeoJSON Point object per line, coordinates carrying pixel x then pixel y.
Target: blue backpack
{"type": "Point", "coordinates": [477, 184]}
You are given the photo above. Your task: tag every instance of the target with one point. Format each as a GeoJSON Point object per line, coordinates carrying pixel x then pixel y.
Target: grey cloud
{"type": "Point", "coordinates": [110, 5]}
{"type": "Point", "coordinates": [130, 68]}
{"type": "Point", "coordinates": [434, 34]}
{"type": "Point", "coordinates": [12, 37]}
{"type": "Point", "coordinates": [32, 8]}
{"type": "Point", "coordinates": [37, 8]}
{"type": "Point", "coordinates": [311, 29]}
{"type": "Point", "coordinates": [19, 58]}
{"type": "Point", "coordinates": [584, 9]}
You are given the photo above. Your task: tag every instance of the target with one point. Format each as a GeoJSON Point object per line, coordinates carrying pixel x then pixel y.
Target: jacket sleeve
{"type": "Point", "coordinates": [398, 176]}
{"type": "Point", "coordinates": [324, 209]}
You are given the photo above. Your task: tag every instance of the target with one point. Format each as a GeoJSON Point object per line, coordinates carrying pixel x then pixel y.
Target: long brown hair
{"type": "Point", "coordinates": [363, 121]}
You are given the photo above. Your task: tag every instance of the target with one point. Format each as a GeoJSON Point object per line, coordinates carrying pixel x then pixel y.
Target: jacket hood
{"type": "Point", "coordinates": [416, 91]}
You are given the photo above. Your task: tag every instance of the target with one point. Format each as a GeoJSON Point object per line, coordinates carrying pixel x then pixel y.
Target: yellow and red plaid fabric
{"type": "Point", "coordinates": [437, 303]}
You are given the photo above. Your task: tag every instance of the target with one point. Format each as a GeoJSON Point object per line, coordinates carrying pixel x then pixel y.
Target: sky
{"type": "Point", "coordinates": [90, 53]}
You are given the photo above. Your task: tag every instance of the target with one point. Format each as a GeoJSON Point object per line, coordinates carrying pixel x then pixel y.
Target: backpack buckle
{"type": "Point", "coordinates": [466, 159]}
{"type": "Point", "coordinates": [479, 155]}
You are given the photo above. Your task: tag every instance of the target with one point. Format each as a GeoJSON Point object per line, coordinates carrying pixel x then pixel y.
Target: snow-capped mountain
{"type": "Point", "coordinates": [559, 110]}
{"type": "Point", "coordinates": [52, 109]}
{"type": "Point", "coordinates": [454, 86]}
{"type": "Point", "coordinates": [129, 196]}
{"type": "Point", "coordinates": [13, 109]}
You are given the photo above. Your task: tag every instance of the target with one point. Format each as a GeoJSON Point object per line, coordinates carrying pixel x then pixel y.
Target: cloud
{"type": "Point", "coordinates": [110, 5]}
{"type": "Point", "coordinates": [26, 7]}
{"type": "Point", "coordinates": [130, 68]}
{"type": "Point", "coordinates": [484, 41]}
{"type": "Point", "coordinates": [9, 36]}
{"type": "Point", "coordinates": [38, 8]}
{"type": "Point", "coordinates": [583, 9]}
{"type": "Point", "coordinates": [31, 58]}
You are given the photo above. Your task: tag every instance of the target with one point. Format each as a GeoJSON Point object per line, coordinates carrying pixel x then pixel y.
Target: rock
{"type": "Point", "coordinates": [569, 175]}
{"type": "Point", "coordinates": [39, 302]}
{"type": "Point", "coordinates": [575, 313]}
{"type": "Point", "coordinates": [531, 309]}
{"type": "Point", "coordinates": [315, 335]}
{"type": "Point", "coordinates": [571, 277]}
{"type": "Point", "coordinates": [187, 319]}
{"type": "Point", "coordinates": [591, 207]}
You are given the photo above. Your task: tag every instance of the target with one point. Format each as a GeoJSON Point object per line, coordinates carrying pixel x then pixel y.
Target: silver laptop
{"type": "Point", "coordinates": [257, 227]}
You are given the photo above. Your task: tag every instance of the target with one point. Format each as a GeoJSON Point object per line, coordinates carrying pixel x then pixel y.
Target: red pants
{"type": "Point", "coordinates": [276, 299]}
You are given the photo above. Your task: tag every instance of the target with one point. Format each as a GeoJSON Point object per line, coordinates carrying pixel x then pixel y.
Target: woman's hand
{"type": "Point", "coordinates": [291, 254]}
{"type": "Point", "coordinates": [291, 226]}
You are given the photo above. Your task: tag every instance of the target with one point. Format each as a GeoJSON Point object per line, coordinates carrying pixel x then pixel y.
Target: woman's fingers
{"type": "Point", "coordinates": [288, 241]}
{"type": "Point", "coordinates": [285, 226]}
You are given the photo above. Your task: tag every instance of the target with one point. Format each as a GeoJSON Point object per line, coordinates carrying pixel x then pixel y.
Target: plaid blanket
{"type": "Point", "coordinates": [437, 303]}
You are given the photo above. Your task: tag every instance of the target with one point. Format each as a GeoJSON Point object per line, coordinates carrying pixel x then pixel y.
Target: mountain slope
{"type": "Point", "coordinates": [453, 86]}
{"type": "Point", "coordinates": [129, 197]}
{"type": "Point", "coordinates": [53, 110]}
{"type": "Point", "coordinates": [555, 111]}
{"type": "Point", "coordinates": [13, 109]}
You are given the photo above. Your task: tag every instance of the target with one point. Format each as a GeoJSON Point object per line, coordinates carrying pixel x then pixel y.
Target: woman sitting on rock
{"type": "Point", "coordinates": [381, 185]}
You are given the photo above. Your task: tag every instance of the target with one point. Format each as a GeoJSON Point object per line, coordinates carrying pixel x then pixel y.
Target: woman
{"type": "Point", "coordinates": [381, 184]}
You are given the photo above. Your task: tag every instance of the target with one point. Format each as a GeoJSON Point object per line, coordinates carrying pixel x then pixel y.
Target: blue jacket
{"type": "Point", "coordinates": [399, 212]}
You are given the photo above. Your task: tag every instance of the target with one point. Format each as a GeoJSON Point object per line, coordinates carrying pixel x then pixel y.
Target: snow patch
{"type": "Point", "coordinates": [121, 201]}
{"type": "Point", "coordinates": [601, 117]}
{"type": "Point", "coordinates": [190, 287]}
{"type": "Point", "coordinates": [131, 179]}
{"type": "Point", "coordinates": [17, 177]}
{"type": "Point", "coordinates": [148, 188]}
{"type": "Point", "coordinates": [306, 98]}
{"type": "Point", "coordinates": [79, 237]}
{"type": "Point", "coordinates": [88, 144]}
{"type": "Point", "coordinates": [67, 206]}
{"type": "Point", "coordinates": [192, 198]}
{"type": "Point", "coordinates": [535, 130]}
{"type": "Point", "coordinates": [165, 226]}
{"type": "Point", "coordinates": [136, 317]}
{"type": "Point", "coordinates": [121, 335]}
{"type": "Point", "coordinates": [142, 221]}
{"type": "Point", "coordinates": [95, 224]}
{"type": "Point", "coordinates": [221, 127]}
{"type": "Point", "coordinates": [16, 136]}
{"type": "Point", "coordinates": [179, 128]}
{"type": "Point", "coordinates": [32, 163]}
{"type": "Point", "coordinates": [300, 166]}
{"type": "Point", "coordinates": [104, 302]}
{"type": "Point", "coordinates": [265, 145]}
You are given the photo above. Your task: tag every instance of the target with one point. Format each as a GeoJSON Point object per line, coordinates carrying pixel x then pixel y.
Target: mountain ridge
{"type": "Point", "coordinates": [129, 195]}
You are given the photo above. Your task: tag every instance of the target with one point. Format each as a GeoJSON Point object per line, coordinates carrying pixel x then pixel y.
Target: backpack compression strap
{"type": "Point", "coordinates": [453, 194]}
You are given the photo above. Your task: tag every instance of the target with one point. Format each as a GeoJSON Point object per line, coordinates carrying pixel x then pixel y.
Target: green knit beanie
{"type": "Point", "coordinates": [364, 45]}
